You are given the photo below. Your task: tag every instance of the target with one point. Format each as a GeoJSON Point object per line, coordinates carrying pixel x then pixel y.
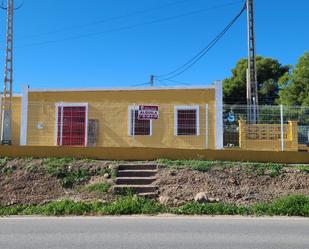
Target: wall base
{"type": "Point", "coordinates": [154, 153]}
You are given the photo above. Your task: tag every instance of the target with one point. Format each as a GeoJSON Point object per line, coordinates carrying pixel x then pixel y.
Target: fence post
{"type": "Point", "coordinates": [206, 127]}
{"type": "Point", "coordinates": [133, 121]}
{"type": "Point", "coordinates": [24, 116]}
{"type": "Point", "coordinates": [219, 115]}
{"type": "Point", "coordinates": [282, 127]}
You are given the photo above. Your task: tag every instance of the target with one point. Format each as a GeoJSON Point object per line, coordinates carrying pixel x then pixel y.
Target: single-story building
{"type": "Point", "coordinates": [187, 117]}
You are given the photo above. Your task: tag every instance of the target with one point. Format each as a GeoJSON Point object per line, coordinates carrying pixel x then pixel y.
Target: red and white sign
{"type": "Point", "coordinates": [147, 112]}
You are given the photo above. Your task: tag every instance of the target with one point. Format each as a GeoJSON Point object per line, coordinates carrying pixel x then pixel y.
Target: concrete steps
{"type": "Point", "coordinates": [137, 173]}
{"type": "Point", "coordinates": [137, 167]}
{"type": "Point", "coordinates": [137, 178]}
{"type": "Point", "coordinates": [138, 189]}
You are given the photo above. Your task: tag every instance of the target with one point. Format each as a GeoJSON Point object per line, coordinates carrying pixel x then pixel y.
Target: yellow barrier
{"type": "Point", "coordinates": [134, 153]}
{"type": "Point", "coordinates": [268, 136]}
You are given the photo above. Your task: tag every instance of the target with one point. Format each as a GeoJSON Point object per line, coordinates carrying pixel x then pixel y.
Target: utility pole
{"type": "Point", "coordinates": [152, 78]}
{"type": "Point", "coordinates": [6, 106]}
{"type": "Point", "coordinates": [252, 85]}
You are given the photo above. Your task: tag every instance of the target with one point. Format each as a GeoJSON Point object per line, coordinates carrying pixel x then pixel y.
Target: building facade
{"type": "Point", "coordinates": [188, 117]}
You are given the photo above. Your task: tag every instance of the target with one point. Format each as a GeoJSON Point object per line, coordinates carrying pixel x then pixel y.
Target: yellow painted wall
{"type": "Point", "coordinates": [110, 108]}
{"type": "Point", "coordinates": [268, 136]}
{"type": "Point", "coordinates": [122, 153]}
{"type": "Point", "coordinates": [16, 119]}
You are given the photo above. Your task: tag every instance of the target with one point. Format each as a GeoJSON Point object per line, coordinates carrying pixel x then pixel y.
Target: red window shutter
{"type": "Point", "coordinates": [73, 126]}
{"type": "Point", "coordinates": [186, 122]}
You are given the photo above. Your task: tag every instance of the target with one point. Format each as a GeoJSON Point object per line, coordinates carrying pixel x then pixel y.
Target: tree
{"type": "Point", "coordinates": [295, 87]}
{"type": "Point", "coordinates": [269, 73]}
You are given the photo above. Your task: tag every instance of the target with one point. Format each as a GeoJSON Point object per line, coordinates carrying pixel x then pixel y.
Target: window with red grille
{"type": "Point", "coordinates": [186, 122]}
{"type": "Point", "coordinates": [141, 127]}
{"type": "Point", "coordinates": [71, 126]}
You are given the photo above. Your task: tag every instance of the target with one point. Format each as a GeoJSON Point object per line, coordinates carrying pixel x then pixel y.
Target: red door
{"type": "Point", "coordinates": [71, 126]}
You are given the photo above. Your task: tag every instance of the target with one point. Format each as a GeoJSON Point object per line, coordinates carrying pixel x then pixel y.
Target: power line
{"type": "Point", "coordinates": [141, 84]}
{"type": "Point", "coordinates": [138, 12]}
{"type": "Point", "coordinates": [174, 81]}
{"type": "Point", "coordinates": [133, 26]}
{"type": "Point", "coordinates": [180, 70]}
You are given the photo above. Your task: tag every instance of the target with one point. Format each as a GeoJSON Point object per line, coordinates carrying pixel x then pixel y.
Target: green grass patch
{"type": "Point", "coordinates": [303, 168]}
{"type": "Point", "coordinates": [211, 209]}
{"type": "Point", "coordinates": [4, 169]}
{"type": "Point", "coordinates": [199, 165]}
{"type": "Point", "coordinates": [3, 161]}
{"type": "Point", "coordinates": [122, 206]}
{"type": "Point", "coordinates": [63, 170]}
{"type": "Point", "coordinates": [69, 175]}
{"type": "Point", "coordinates": [102, 187]}
{"type": "Point", "coordinates": [296, 205]}
{"type": "Point", "coordinates": [273, 169]}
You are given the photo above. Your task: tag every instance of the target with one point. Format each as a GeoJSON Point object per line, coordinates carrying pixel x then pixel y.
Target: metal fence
{"type": "Point", "coordinates": [278, 128]}
{"type": "Point", "coordinates": [103, 124]}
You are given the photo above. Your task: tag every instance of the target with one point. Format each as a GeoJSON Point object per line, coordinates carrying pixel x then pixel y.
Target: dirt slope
{"type": "Point", "coordinates": [233, 185]}
{"type": "Point", "coordinates": [35, 181]}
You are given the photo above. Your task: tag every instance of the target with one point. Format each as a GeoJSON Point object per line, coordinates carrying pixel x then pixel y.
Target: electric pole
{"type": "Point", "coordinates": [152, 79]}
{"type": "Point", "coordinates": [252, 85]}
{"type": "Point", "coordinates": [6, 106]}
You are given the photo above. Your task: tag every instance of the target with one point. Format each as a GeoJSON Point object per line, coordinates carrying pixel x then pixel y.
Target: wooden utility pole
{"type": "Point", "coordinates": [252, 85]}
{"type": "Point", "coordinates": [6, 106]}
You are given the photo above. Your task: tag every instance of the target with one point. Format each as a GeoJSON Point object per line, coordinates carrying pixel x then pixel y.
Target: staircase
{"type": "Point", "coordinates": [137, 177]}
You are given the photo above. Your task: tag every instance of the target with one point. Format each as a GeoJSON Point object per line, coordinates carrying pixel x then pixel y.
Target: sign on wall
{"type": "Point", "coordinates": [147, 112]}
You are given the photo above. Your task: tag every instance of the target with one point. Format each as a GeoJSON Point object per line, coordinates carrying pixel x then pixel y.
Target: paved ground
{"type": "Point", "coordinates": [156, 232]}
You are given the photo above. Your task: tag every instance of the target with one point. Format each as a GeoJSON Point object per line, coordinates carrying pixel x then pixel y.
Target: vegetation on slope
{"type": "Point", "coordinates": [296, 205]}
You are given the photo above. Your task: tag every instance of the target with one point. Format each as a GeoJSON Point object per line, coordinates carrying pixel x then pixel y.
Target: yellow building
{"type": "Point", "coordinates": [187, 117]}
{"type": "Point", "coordinates": [16, 118]}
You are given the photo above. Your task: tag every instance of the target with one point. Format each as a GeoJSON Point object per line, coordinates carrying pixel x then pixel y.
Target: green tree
{"type": "Point", "coordinates": [269, 73]}
{"type": "Point", "coordinates": [295, 87]}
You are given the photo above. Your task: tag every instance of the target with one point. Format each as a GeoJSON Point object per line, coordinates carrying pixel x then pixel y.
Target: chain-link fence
{"type": "Point", "coordinates": [192, 126]}
{"type": "Point", "coordinates": [278, 128]}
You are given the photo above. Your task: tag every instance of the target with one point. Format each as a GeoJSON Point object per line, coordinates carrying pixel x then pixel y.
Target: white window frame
{"type": "Point", "coordinates": [68, 104]}
{"type": "Point", "coordinates": [186, 107]}
{"type": "Point", "coordinates": [130, 109]}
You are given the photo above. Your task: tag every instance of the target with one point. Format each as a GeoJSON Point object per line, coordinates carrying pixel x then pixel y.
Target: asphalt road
{"type": "Point", "coordinates": [154, 232]}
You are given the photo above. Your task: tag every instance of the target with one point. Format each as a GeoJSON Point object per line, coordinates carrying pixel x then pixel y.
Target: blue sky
{"type": "Point", "coordinates": [56, 47]}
